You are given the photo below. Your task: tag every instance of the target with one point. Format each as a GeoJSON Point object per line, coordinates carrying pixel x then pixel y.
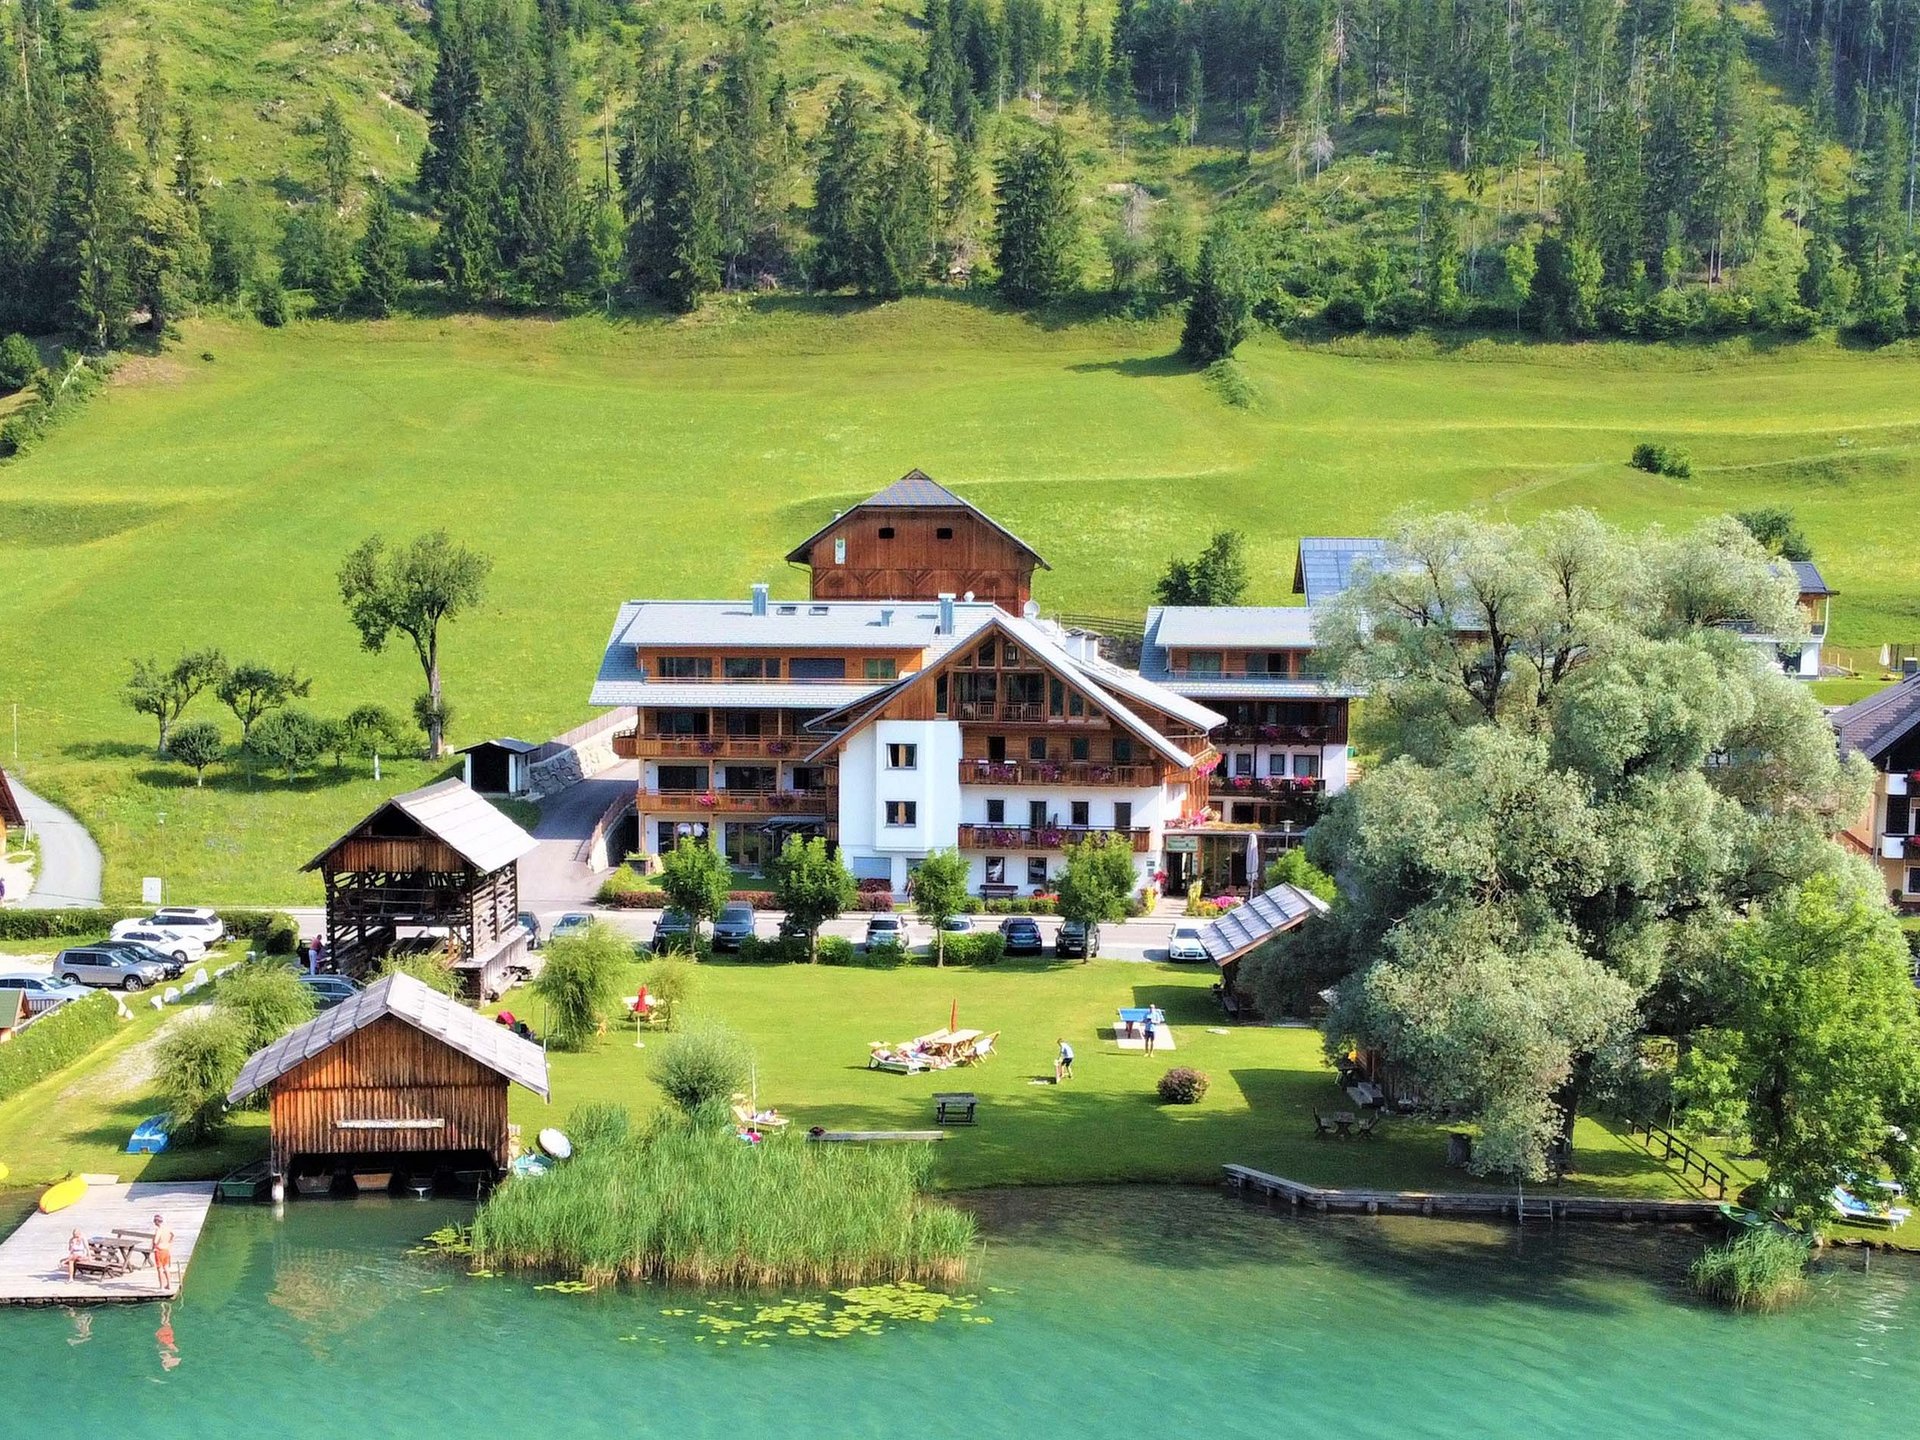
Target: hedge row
{"type": "Point", "coordinates": [55, 1041]}
{"type": "Point", "coordinates": [985, 948]}
{"type": "Point", "coordinates": [60, 924]}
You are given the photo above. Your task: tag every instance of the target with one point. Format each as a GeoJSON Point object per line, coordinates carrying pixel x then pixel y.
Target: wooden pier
{"type": "Point", "coordinates": [32, 1271]}
{"type": "Point", "coordinates": [1486, 1205]}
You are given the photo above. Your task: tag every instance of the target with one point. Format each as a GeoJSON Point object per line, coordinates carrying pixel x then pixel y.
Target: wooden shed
{"type": "Point", "coordinates": [398, 1079]}
{"type": "Point", "coordinates": [499, 767]}
{"type": "Point", "coordinates": [12, 817]}
{"type": "Point", "coordinates": [439, 864]}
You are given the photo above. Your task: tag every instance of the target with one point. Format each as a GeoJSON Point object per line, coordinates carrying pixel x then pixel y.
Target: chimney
{"type": "Point", "coordinates": [886, 617]}
{"type": "Point", "coordinates": [946, 613]}
{"type": "Point", "coordinates": [760, 597]}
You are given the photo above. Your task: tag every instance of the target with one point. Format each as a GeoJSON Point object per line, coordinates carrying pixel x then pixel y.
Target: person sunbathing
{"type": "Point", "coordinates": [77, 1250]}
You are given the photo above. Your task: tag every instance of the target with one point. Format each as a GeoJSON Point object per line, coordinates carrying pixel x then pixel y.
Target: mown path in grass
{"type": "Point", "coordinates": [208, 501]}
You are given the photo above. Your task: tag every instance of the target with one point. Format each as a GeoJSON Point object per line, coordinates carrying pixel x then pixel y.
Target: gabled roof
{"type": "Point", "coordinates": [1325, 564]}
{"type": "Point", "coordinates": [417, 1004]}
{"type": "Point", "coordinates": [1270, 913]}
{"type": "Point", "coordinates": [1103, 684]}
{"type": "Point", "coordinates": [505, 742]}
{"type": "Point", "coordinates": [915, 490]}
{"type": "Point", "coordinates": [11, 815]}
{"type": "Point", "coordinates": [1279, 627]}
{"type": "Point", "coordinates": [457, 817]}
{"type": "Point", "coordinates": [1811, 582]}
{"type": "Point", "coordinates": [1876, 724]}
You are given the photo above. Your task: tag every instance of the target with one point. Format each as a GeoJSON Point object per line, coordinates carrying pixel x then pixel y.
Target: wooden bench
{"type": "Point", "coordinates": [999, 892]}
{"type": "Point", "coordinates": [955, 1108]}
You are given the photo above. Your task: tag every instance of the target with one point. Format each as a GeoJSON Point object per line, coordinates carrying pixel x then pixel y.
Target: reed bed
{"type": "Point", "coordinates": [1760, 1270]}
{"type": "Point", "coordinates": [689, 1203]}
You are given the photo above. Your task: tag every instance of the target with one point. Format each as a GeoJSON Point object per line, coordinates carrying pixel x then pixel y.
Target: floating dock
{"type": "Point", "coordinates": [32, 1259]}
{"type": "Point", "coordinates": [1539, 1205]}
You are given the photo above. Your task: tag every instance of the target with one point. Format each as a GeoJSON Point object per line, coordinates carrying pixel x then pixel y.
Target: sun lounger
{"type": "Point", "coordinates": [1849, 1206]}
{"type": "Point", "coordinates": [764, 1120]}
{"type": "Point", "coordinates": [900, 1062]}
{"type": "Point", "coordinates": [978, 1049]}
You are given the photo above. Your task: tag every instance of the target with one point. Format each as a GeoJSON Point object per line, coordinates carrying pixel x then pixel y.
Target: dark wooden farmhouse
{"type": "Point", "coordinates": [917, 540]}
{"type": "Point", "coordinates": [400, 1079]}
{"type": "Point", "coordinates": [437, 868]}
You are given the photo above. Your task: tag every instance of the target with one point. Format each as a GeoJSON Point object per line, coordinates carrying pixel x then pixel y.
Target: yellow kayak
{"type": "Point", "coordinates": [58, 1197]}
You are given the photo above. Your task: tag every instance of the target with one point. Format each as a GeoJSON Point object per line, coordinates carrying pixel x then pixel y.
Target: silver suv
{"type": "Point", "coordinates": [114, 969]}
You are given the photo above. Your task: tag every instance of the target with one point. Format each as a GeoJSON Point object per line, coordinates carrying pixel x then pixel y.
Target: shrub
{"type": "Point", "coordinates": [1763, 1269]}
{"type": "Point", "coordinates": [19, 362]}
{"type": "Point", "coordinates": [758, 899]}
{"type": "Point", "coordinates": [429, 970]}
{"type": "Point", "coordinates": [1232, 384]}
{"type": "Point", "coordinates": [196, 1063]}
{"type": "Point", "coordinates": [835, 950]}
{"type": "Point", "coordinates": [782, 950]}
{"type": "Point", "coordinates": [60, 924]}
{"type": "Point", "coordinates": [268, 931]}
{"type": "Point", "coordinates": [880, 902]}
{"type": "Point", "coordinates": [622, 884]}
{"type": "Point", "coordinates": [266, 1000]}
{"type": "Point", "coordinates": [701, 1069]}
{"type": "Point", "coordinates": [55, 1041]}
{"type": "Point", "coordinates": [985, 947]}
{"type": "Point", "coordinates": [1183, 1085]}
{"type": "Point", "coordinates": [579, 982]}
{"type": "Point", "coordinates": [883, 956]}
{"type": "Point", "coordinates": [670, 983]}
{"type": "Point", "coordinates": [1663, 460]}
{"type": "Point", "coordinates": [1202, 910]}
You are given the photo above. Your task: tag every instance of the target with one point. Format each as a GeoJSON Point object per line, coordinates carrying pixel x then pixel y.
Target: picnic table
{"type": "Point", "coordinates": [955, 1107]}
{"type": "Point", "coordinates": [1133, 1015]}
{"type": "Point", "coordinates": [122, 1251]}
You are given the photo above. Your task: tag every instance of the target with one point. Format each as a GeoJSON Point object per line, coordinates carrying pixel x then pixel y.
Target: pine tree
{"type": "Point", "coordinates": [959, 199]}
{"type": "Point", "coordinates": [453, 100]}
{"type": "Point", "coordinates": [167, 258]}
{"type": "Point", "coordinates": [93, 215]}
{"type": "Point", "coordinates": [382, 256]}
{"type": "Point", "coordinates": [841, 181]}
{"type": "Point", "coordinates": [190, 164]}
{"type": "Point", "coordinates": [150, 107]}
{"type": "Point", "coordinates": [1036, 221]}
{"type": "Point", "coordinates": [469, 248]}
{"type": "Point", "coordinates": [336, 153]}
{"type": "Point", "coordinates": [31, 296]}
{"type": "Point", "coordinates": [1221, 311]}
{"type": "Point", "coordinates": [897, 222]}
{"type": "Point", "coordinates": [677, 241]}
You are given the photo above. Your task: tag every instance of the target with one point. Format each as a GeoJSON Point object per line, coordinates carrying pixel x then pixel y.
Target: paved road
{"type": "Point", "coordinates": [554, 878]}
{"type": "Point", "coordinates": [69, 871]}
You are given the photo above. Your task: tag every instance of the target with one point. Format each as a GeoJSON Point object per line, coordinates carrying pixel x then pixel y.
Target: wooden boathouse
{"type": "Point", "coordinates": [400, 1079]}
{"type": "Point", "coordinates": [437, 867]}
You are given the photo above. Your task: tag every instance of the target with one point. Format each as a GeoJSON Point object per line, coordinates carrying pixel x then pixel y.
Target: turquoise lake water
{"type": "Point", "coordinates": [1109, 1313]}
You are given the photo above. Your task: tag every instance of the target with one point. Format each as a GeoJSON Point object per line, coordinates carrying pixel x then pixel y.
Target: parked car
{"type": "Point", "coordinates": [1185, 944]}
{"type": "Point", "coordinates": [734, 925]}
{"type": "Point", "coordinates": [44, 992]}
{"type": "Point", "coordinates": [572, 923]}
{"type": "Point", "coordinates": [178, 944]}
{"type": "Point", "coordinates": [140, 950]}
{"type": "Point", "coordinates": [1022, 935]}
{"type": "Point", "coordinates": [330, 990]}
{"type": "Point", "coordinates": [674, 930]}
{"type": "Point", "coordinates": [886, 932]}
{"type": "Point", "coordinates": [195, 920]}
{"type": "Point", "coordinates": [111, 969]}
{"type": "Point", "coordinates": [958, 925]}
{"type": "Point", "coordinates": [529, 922]}
{"type": "Point", "coordinates": [1077, 938]}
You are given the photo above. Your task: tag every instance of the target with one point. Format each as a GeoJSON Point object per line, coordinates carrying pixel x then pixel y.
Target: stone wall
{"type": "Point", "coordinates": [580, 754]}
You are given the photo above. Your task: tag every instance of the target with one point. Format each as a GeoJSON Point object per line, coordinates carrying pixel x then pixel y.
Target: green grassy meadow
{"type": "Point", "coordinates": [207, 498]}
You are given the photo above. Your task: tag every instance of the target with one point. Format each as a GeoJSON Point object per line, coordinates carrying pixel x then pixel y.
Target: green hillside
{"type": "Point", "coordinates": [207, 497]}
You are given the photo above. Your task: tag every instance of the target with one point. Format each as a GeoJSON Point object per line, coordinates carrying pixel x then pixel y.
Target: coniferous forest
{"type": "Point", "coordinates": [1636, 167]}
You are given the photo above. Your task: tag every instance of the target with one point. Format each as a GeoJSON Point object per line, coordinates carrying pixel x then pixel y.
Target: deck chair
{"type": "Point", "coordinates": [1323, 1127]}
{"type": "Point", "coordinates": [1364, 1130]}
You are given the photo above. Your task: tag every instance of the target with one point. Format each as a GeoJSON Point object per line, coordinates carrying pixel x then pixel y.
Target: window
{"type": "Point", "coordinates": [996, 748]}
{"type": "Point", "coordinates": [1203, 662]}
{"type": "Point", "coordinates": [939, 694]}
{"type": "Point", "coordinates": [1010, 655]}
{"type": "Point", "coordinates": [1899, 815]}
{"type": "Point", "coordinates": [1079, 747]}
{"type": "Point", "coordinates": [682, 777]}
{"type": "Point", "coordinates": [880, 670]}
{"type": "Point", "coordinates": [996, 812]}
{"type": "Point", "coordinates": [902, 813]}
{"type": "Point", "coordinates": [1306, 763]}
{"type": "Point", "coordinates": [1122, 750]}
{"type": "Point", "coordinates": [1123, 815]}
{"type": "Point", "coordinates": [743, 724]}
{"type": "Point", "coordinates": [983, 657]}
{"type": "Point", "coordinates": [749, 668]}
{"type": "Point", "coordinates": [1082, 813]}
{"type": "Point", "coordinates": [1243, 762]}
{"type": "Point", "coordinates": [686, 667]}
{"type": "Point", "coordinates": [1036, 747]}
{"type": "Point", "coordinates": [886, 532]}
{"type": "Point", "coordinates": [1036, 870]}
{"type": "Point", "coordinates": [680, 722]}
{"type": "Point", "coordinates": [1036, 814]}
{"type": "Point", "coordinates": [1913, 880]}
{"type": "Point", "coordinates": [809, 777]}
{"type": "Point", "coordinates": [996, 869]}
{"type": "Point", "coordinates": [839, 549]}
{"type": "Point", "coordinates": [817, 668]}
{"type": "Point", "coordinates": [903, 757]}
{"type": "Point", "coordinates": [757, 778]}
{"type": "Point", "coordinates": [945, 532]}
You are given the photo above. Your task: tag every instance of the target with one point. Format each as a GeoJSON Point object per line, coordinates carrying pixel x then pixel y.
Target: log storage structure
{"type": "Point", "coordinates": [439, 862]}
{"type": "Point", "coordinates": [399, 1079]}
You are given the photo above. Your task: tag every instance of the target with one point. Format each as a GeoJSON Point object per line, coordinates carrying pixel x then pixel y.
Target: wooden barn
{"type": "Point", "coordinates": [438, 868]}
{"type": "Point", "coordinates": [12, 817]}
{"type": "Point", "coordinates": [400, 1079]}
{"type": "Point", "coordinates": [916, 540]}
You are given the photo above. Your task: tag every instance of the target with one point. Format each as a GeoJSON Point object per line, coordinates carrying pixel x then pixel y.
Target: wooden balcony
{"type": "Point", "coordinates": [1017, 712]}
{"type": "Point", "coordinates": [1057, 772]}
{"type": "Point", "coordinates": [1047, 837]}
{"type": "Point", "coordinates": [632, 746]}
{"type": "Point", "coordinates": [740, 802]}
{"type": "Point", "coordinates": [1276, 734]}
{"type": "Point", "coordinates": [1293, 802]}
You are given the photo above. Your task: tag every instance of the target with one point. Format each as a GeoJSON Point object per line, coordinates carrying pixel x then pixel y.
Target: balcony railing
{"type": "Point", "coordinates": [738, 802]}
{"type": "Point", "coordinates": [1047, 837]}
{"type": "Point", "coordinates": [1264, 787]}
{"type": "Point", "coordinates": [630, 745]}
{"type": "Point", "coordinates": [1307, 673]}
{"type": "Point", "coordinates": [1055, 772]}
{"type": "Point", "coordinates": [1016, 712]}
{"type": "Point", "coordinates": [1276, 734]}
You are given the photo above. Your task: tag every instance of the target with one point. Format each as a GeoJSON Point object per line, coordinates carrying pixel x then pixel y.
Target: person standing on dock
{"type": "Point", "coordinates": [162, 1252]}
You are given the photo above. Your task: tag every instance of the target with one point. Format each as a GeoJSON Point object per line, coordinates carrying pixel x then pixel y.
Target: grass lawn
{"type": "Point", "coordinates": [596, 461]}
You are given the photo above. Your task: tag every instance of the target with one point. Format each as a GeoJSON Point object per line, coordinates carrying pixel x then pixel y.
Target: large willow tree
{"type": "Point", "coordinates": [1582, 776]}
